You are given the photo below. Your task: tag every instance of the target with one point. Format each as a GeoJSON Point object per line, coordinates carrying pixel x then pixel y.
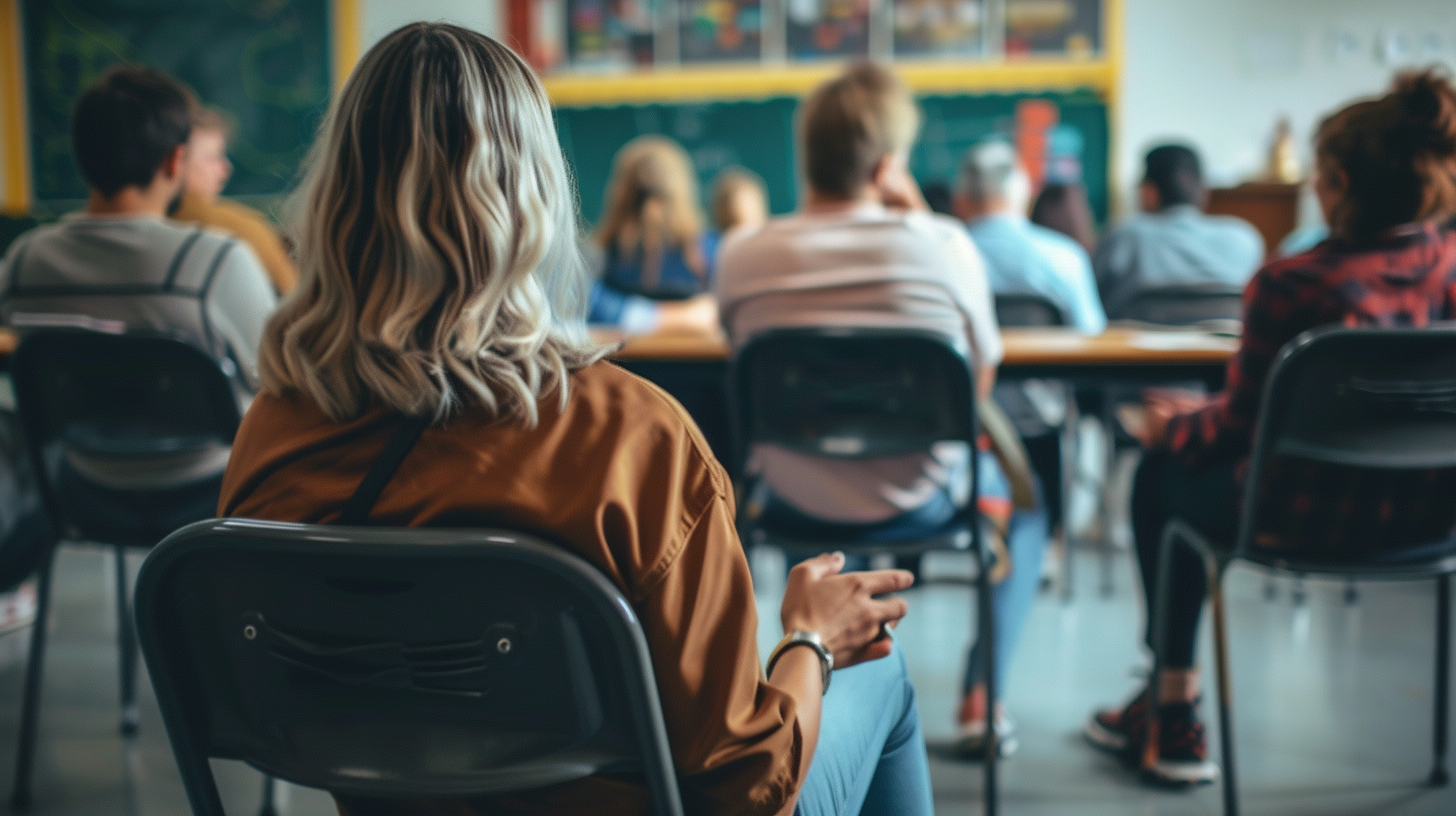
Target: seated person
{"type": "Point", "coordinates": [740, 201]}
{"type": "Point", "coordinates": [1386, 180]}
{"type": "Point", "coordinates": [120, 261]}
{"type": "Point", "coordinates": [608, 308]}
{"type": "Point", "coordinates": [208, 170]}
{"type": "Point", "coordinates": [651, 236]}
{"type": "Point", "coordinates": [533, 430]}
{"type": "Point", "coordinates": [1063, 206]}
{"type": "Point", "coordinates": [865, 252]}
{"type": "Point", "coordinates": [1172, 242]}
{"type": "Point", "coordinates": [1022, 258]}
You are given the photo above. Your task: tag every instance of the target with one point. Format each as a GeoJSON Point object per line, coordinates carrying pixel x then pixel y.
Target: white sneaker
{"type": "Point", "coordinates": [971, 738]}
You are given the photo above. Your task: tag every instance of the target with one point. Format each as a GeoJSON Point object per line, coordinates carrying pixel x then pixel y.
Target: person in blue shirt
{"type": "Point", "coordinates": [1172, 242]}
{"type": "Point", "coordinates": [992, 195]}
{"type": "Point", "coordinates": [652, 235]}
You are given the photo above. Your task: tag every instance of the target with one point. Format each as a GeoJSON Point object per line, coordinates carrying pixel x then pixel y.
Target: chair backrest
{"type": "Point", "coordinates": [1028, 310]}
{"type": "Point", "coordinates": [1367, 398]}
{"type": "Point", "coordinates": [851, 393]}
{"type": "Point", "coordinates": [1185, 305]}
{"type": "Point", "coordinates": [121, 394]}
{"type": "Point", "coordinates": [410, 663]}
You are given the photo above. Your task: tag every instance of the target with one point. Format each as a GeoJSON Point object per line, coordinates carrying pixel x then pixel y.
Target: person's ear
{"type": "Point", "coordinates": [175, 163]}
{"type": "Point", "coordinates": [884, 169]}
{"type": "Point", "coordinates": [1148, 198]}
{"type": "Point", "coordinates": [960, 204]}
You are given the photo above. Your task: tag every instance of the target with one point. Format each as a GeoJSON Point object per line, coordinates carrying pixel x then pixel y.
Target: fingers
{"type": "Point", "coordinates": [888, 609]}
{"type": "Point", "coordinates": [823, 565]}
{"type": "Point", "coordinates": [878, 582]}
{"type": "Point", "coordinates": [873, 650]}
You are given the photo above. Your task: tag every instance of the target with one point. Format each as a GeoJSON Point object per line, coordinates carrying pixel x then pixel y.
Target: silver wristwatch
{"type": "Point", "coordinates": [798, 637]}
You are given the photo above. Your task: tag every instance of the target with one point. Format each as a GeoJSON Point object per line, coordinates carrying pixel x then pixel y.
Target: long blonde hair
{"type": "Point", "coordinates": [652, 204]}
{"type": "Point", "coordinates": [436, 236]}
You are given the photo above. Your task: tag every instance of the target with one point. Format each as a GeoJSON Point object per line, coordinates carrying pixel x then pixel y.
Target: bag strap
{"type": "Point", "coordinates": [356, 511]}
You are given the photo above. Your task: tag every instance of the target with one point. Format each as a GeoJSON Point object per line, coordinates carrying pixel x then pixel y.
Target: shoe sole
{"type": "Point", "coordinates": [973, 749]}
{"type": "Point", "coordinates": [1180, 774]}
{"type": "Point", "coordinates": [1105, 738]}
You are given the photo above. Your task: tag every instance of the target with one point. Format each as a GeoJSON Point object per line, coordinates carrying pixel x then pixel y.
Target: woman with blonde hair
{"type": "Point", "coordinates": [652, 233]}
{"type": "Point", "coordinates": [439, 265]}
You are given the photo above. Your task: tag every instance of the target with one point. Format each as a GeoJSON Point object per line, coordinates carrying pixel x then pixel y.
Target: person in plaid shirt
{"type": "Point", "coordinates": [1386, 180]}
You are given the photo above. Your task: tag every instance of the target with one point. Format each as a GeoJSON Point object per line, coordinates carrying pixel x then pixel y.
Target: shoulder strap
{"type": "Point", "coordinates": [356, 511]}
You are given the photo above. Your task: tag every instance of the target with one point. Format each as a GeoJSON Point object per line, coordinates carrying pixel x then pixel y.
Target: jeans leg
{"type": "Point", "coordinates": [1026, 541]}
{"type": "Point", "coordinates": [871, 756]}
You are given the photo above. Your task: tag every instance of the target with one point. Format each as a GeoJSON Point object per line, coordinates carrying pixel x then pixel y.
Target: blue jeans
{"type": "Point", "coordinates": [871, 758]}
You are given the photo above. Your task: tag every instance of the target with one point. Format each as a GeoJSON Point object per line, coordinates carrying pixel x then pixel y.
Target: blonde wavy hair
{"type": "Point", "coordinates": [652, 204]}
{"type": "Point", "coordinates": [436, 233]}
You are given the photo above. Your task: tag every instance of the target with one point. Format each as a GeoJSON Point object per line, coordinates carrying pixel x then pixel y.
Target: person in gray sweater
{"type": "Point", "coordinates": [119, 265]}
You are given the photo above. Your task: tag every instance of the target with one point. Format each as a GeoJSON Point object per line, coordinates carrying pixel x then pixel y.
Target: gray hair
{"type": "Point", "coordinates": [991, 171]}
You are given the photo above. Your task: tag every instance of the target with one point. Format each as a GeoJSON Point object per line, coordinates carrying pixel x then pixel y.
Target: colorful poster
{"type": "Point", "coordinates": [939, 28]}
{"type": "Point", "coordinates": [828, 28]}
{"type": "Point", "coordinates": [1064, 27]}
{"type": "Point", "coordinates": [720, 30]}
{"type": "Point", "coordinates": [611, 32]}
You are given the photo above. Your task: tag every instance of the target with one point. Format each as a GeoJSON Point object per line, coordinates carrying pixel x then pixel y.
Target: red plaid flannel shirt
{"type": "Point", "coordinates": [1406, 279]}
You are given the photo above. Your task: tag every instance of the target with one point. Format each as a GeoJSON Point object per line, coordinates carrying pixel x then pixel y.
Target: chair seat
{"type": "Point", "coordinates": [1413, 562]}
{"type": "Point", "coordinates": [955, 534]}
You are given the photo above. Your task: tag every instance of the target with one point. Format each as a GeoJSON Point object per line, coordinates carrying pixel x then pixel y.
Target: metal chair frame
{"type": "Point", "coordinates": [1268, 443]}
{"type": "Point", "coordinates": [1224, 299]}
{"type": "Point", "coordinates": [962, 533]}
{"type": "Point", "coordinates": [184, 705]}
{"type": "Point", "coordinates": [29, 365]}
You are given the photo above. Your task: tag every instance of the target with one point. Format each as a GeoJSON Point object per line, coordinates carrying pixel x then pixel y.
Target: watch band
{"type": "Point", "coordinates": [798, 637]}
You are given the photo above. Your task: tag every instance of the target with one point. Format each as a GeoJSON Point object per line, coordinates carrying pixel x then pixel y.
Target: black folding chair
{"type": "Point", "coordinates": [1185, 305]}
{"type": "Point", "coordinates": [859, 393]}
{"type": "Point", "coordinates": [105, 395]}
{"type": "Point", "coordinates": [1025, 309]}
{"type": "Point", "coordinates": [1372, 398]}
{"type": "Point", "coordinates": [396, 663]}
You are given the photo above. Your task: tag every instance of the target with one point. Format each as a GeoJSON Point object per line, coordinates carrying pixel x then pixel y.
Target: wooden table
{"type": "Point", "coordinates": [693, 367]}
{"type": "Point", "coordinates": [1119, 352]}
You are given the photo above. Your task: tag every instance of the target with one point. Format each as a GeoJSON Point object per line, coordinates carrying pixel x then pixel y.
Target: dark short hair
{"type": "Point", "coordinates": [126, 125]}
{"type": "Point", "coordinates": [1176, 173]}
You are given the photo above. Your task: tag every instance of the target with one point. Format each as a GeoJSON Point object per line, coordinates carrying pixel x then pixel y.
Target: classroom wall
{"type": "Point", "coordinates": [383, 16]}
{"type": "Point", "coordinates": [1219, 75]}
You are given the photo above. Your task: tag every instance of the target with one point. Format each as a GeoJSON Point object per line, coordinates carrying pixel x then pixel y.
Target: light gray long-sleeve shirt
{"type": "Point", "coordinates": [1179, 246]}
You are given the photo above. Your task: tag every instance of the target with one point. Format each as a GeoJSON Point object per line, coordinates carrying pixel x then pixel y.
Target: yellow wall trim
{"type": "Point", "coordinates": [15, 198]}
{"type": "Point", "coordinates": [759, 81]}
{"type": "Point", "coordinates": [347, 35]}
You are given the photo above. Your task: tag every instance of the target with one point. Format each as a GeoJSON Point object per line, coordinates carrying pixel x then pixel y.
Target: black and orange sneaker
{"type": "Point", "coordinates": [1120, 730]}
{"type": "Point", "coordinates": [1182, 758]}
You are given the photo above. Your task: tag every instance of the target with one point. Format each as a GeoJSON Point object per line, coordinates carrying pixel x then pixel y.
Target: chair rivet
{"type": "Point", "coordinates": [503, 645]}
{"type": "Point", "coordinates": [250, 632]}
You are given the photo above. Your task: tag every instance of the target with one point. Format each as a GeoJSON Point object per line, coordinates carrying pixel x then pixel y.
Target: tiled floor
{"type": "Point", "coordinates": [1333, 703]}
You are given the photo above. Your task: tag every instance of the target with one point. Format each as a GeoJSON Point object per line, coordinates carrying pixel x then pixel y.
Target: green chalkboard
{"type": "Point", "coordinates": [265, 63]}
{"type": "Point", "coordinates": [760, 136]}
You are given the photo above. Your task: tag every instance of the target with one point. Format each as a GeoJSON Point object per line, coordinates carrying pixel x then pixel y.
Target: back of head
{"type": "Point", "coordinates": [848, 124]}
{"type": "Point", "coordinates": [991, 177]}
{"type": "Point", "coordinates": [1397, 155]}
{"type": "Point", "coordinates": [437, 240]}
{"type": "Point", "coordinates": [126, 125]}
{"type": "Point", "coordinates": [652, 197]}
{"type": "Point", "coordinates": [1064, 208]}
{"type": "Point", "coordinates": [739, 198]}
{"type": "Point", "coordinates": [1175, 172]}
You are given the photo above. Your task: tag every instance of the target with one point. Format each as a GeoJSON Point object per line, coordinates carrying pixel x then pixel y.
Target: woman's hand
{"type": "Point", "coordinates": [841, 607]}
{"type": "Point", "coordinates": [1148, 423]}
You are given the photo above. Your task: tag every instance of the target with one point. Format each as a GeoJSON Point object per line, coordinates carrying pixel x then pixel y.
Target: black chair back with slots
{"type": "Point", "coordinates": [859, 393]}
{"type": "Point", "coordinates": [1185, 305]}
{"type": "Point", "coordinates": [106, 395]}
{"type": "Point", "coordinates": [1381, 399]}
{"type": "Point", "coordinates": [386, 663]}
{"type": "Point", "coordinates": [1028, 310]}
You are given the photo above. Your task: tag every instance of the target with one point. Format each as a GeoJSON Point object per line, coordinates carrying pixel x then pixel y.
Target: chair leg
{"type": "Point", "coordinates": [1225, 689]}
{"type": "Point", "coordinates": [1439, 777]}
{"type": "Point", "coordinates": [270, 797]}
{"type": "Point", "coordinates": [986, 636]}
{"type": "Point", "coordinates": [1069, 478]}
{"type": "Point", "coordinates": [127, 648]}
{"type": "Point", "coordinates": [20, 800]}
